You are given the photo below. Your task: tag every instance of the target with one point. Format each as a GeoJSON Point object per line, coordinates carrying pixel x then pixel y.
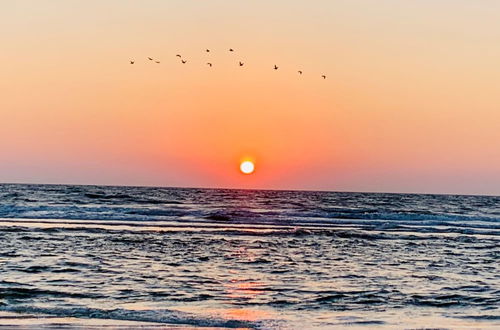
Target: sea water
{"type": "Point", "coordinates": [250, 258]}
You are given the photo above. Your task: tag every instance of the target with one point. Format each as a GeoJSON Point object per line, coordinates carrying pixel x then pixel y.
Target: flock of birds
{"type": "Point", "coordinates": [183, 61]}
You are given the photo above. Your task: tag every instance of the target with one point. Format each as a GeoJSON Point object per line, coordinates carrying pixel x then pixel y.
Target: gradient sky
{"type": "Point", "coordinates": [411, 103]}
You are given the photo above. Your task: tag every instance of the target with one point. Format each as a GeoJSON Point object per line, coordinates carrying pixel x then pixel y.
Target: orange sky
{"type": "Point", "coordinates": [411, 103]}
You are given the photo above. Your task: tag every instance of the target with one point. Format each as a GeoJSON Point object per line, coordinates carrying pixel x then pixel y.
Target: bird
{"type": "Point", "coordinates": [300, 72]}
{"type": "Point", "coordinates": [178, 55]}
{"type": "Point", "coordinates": [132, 62]}
{"type": "Point", "coordinates": [207, 50]}
{"type": "Point", "coordinates": [209, 64]}
{"type": "Point", "coordinates": [241, 63]}
{"type": "Point", "coordinates": [324, 77]}
{"type": "Point", "coordinates": [183, 61]}
{"type": "Point", "coordinates": [275, 67]}
{"type": "Point", "coordinates": [149, 58]}
{"type": "Point", "coordinates": [231, 50]}
{"type": "Point", "coordinates": [158, 62]}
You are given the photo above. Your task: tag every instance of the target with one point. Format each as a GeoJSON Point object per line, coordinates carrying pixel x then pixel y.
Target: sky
{"type": "Point", "coordinates": [411, 102]}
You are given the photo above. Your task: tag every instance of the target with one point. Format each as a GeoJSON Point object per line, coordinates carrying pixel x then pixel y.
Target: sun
{"type": "Point", "coordinates": [247, 167]}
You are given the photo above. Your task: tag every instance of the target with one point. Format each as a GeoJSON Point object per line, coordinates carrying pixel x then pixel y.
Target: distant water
{"type": "Point", "coordinates": [259, 259]}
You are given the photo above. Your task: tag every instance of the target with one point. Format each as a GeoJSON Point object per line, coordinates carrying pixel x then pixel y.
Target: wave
{"type": "Point", "coordinates": [481, 317]}
{"type": "Point", "coordinates": [467, 215]}
{"type": "Point", "coordinates": [28, 293]}
{"type": "Point", "coordinates": [156, 316]}
{"type": "Point", "coordinates": [154, 212]}
{"type": "Point", "coordinates": [488, 238]}
{"type": "Point", "coordinates": [106, 196]}
{"type": "Point", "coordinates": [456, 300]}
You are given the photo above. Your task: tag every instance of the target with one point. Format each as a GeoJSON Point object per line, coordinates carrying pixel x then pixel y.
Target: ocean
{"type": "Point", "coordinates": [251, 258]}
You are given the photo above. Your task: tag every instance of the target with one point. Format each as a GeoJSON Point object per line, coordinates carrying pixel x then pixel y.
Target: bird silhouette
{"type": "Point", "coordinates": [149, 58]}
{"type": "Point", "coordinates": [209, 64]}
{"type": "Point", "coordinates": [231, 50]}
{"type": "Point", "coordinates": [157, 62]}
{"type": "Point", "coordinates": [241, 63]}
{"type": "Point", "coordinates": [324, 77]}
{"type": "Point", "coordinates": [178, 55]}
{"type": "Point", "coordinates": [207, 50]}
{"type": "Point", "coordinates": [132, 62]}
{"type": "Point", "coordinates": [300, 72]}
{"type": "Point", "coordinates": [183, 61]}
{"type": "Point", "coordinates": [275, 67]}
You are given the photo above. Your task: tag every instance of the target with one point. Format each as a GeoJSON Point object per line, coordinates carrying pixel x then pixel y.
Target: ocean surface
{"type": "Point", "coordinates": [249, 258]}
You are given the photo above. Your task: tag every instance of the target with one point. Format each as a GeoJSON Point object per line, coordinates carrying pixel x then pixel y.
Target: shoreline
{"type": "Point", "coordinates": [37, 321]}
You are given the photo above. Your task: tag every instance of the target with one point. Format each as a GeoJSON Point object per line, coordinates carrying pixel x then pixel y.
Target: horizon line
{"type": "Point", "coordinates": [248, 189]}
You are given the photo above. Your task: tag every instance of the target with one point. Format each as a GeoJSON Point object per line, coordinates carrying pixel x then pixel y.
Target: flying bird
{"type": "Point", "coordinates": [207, 50]}
{"type": "Point", "coordinates": [149, 58]}
{"type": "Point", "coordinates": [241, 63]}
{"type": "Point", "coordinates": [183, 61]}
{"type": "Point", "coordinates": [209, 64]}
{"type": "Point", "coordinates": [132, 62]}
{"type": "Point", "coordinates": [231, 50]}
{"type": "Point", "coordinates": [158, 62]}
{"type": "Point", "coordinates": [178, 55]}
{"type": "Point", "coordinates": [324, 77]}
{"type": "Point", "coordinates": [300, 72]}
{"type": "Point", "coordinates": [275, 67]}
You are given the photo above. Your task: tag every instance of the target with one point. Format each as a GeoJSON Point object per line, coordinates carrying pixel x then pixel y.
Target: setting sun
{"type": "Point", "coordinates": [247, 163]}
{"type": "Point", "coordinates": [247, 167]}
